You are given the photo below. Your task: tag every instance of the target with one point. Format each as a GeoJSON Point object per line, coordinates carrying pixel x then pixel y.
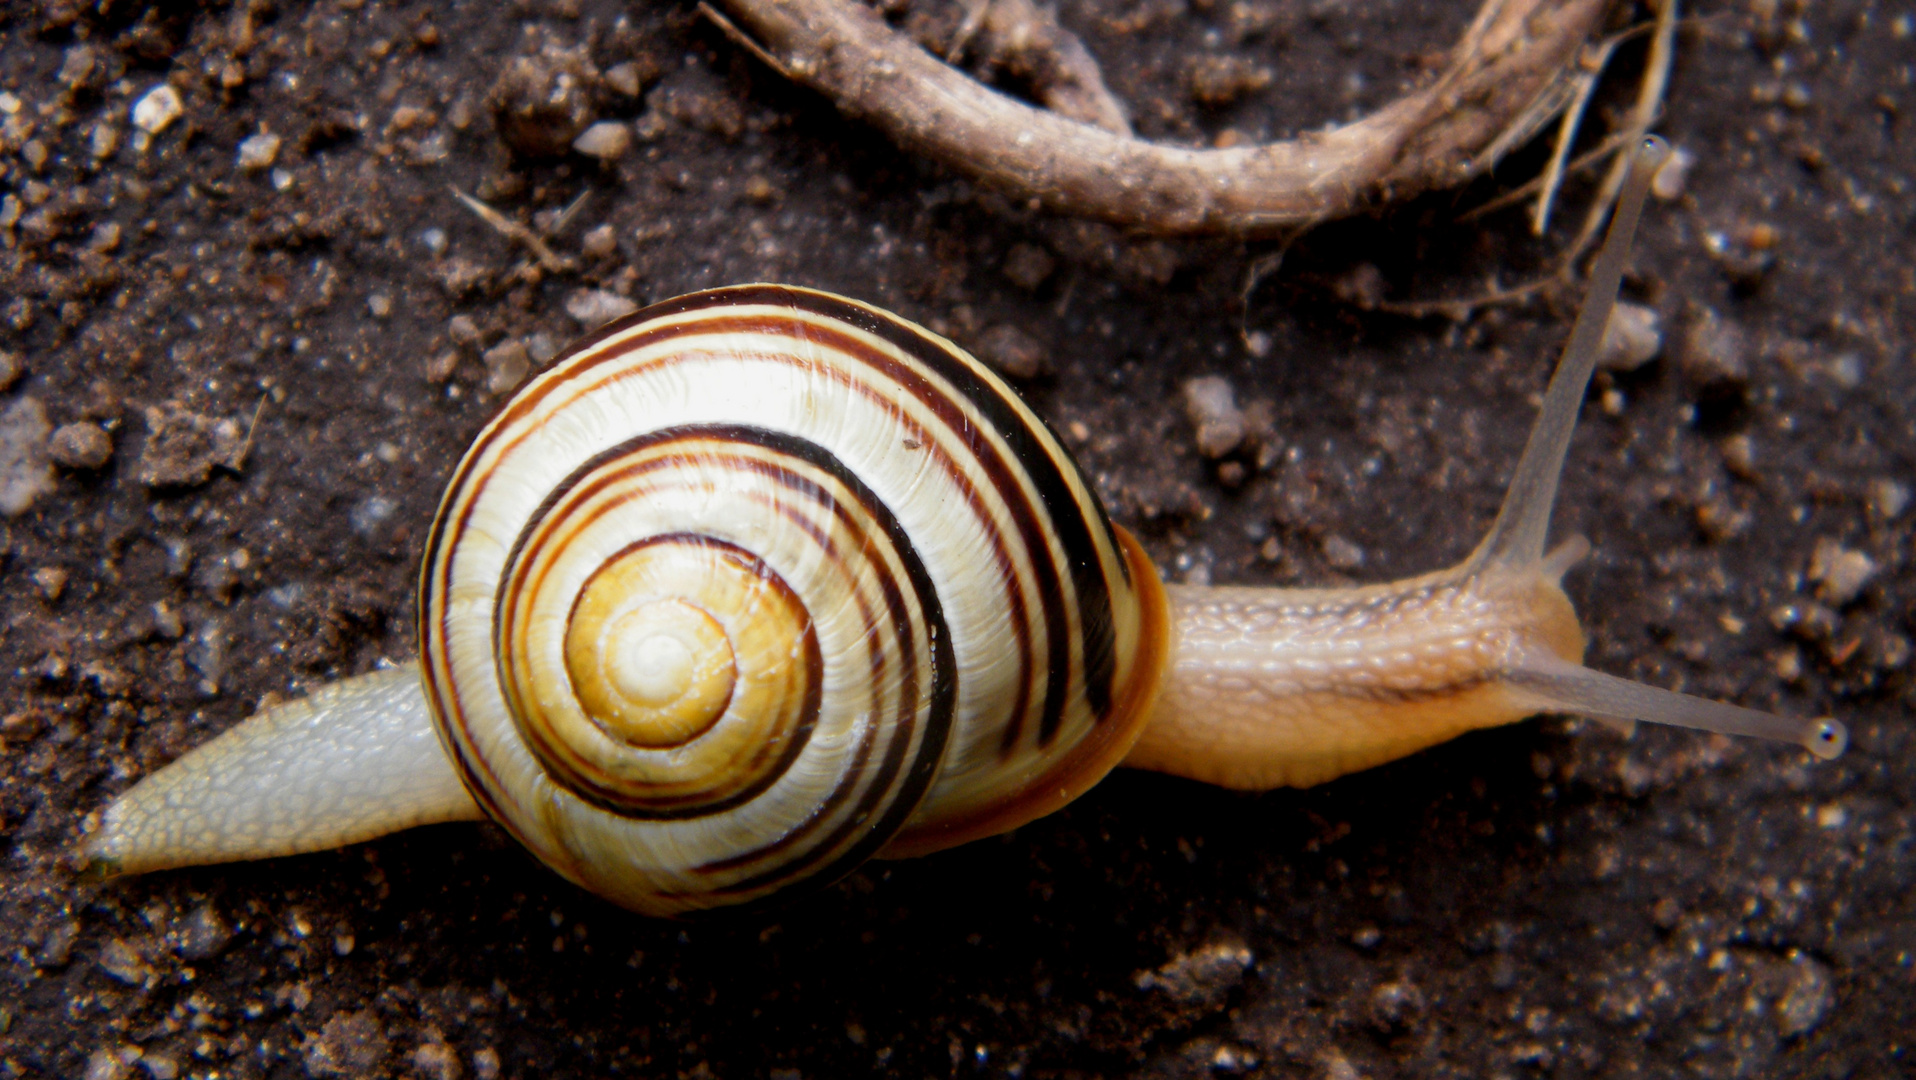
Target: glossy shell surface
{"type": "Point", "coordinates": [760, 582]}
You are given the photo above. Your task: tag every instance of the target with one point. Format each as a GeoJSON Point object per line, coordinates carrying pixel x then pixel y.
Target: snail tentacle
{"type": "Point", "coordinates": [356, 759]}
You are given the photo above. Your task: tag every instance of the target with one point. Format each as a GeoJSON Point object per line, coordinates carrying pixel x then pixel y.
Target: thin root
{"type": "Point", "coordinates": [1433, 137]}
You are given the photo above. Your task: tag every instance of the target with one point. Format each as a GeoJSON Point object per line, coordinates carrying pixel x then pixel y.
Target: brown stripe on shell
{"type": "Point", "coordinates": [1032, 530]}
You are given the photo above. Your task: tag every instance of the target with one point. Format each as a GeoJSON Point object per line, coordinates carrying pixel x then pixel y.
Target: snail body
{"type": "Point", "coordinates": [761, 582]}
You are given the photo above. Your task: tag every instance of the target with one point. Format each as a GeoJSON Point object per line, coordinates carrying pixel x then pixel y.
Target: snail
{"type": "Point", "coordinates": [761, 582]}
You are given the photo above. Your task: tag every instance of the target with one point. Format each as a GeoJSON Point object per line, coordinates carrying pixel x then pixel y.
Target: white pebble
{"type": "Point", "coordinates": [257, 152]}
{"type": "Point", "coordinates": [1840, 573]}
{"type": "Point", "coordinates": [606, 140]}
{"type": "Point", "coordinates": [1632, 338]}
{"type": "Point", "coordinates": [1211, 405]}
{"type": "Point", "coordinates": [157, 110]}
{"type": "Point", "coordinates": [595, 307]}
{"type": "Point", "coordinates": [507, 365]}
{"type": "Point", "coordinates": [25, 473]}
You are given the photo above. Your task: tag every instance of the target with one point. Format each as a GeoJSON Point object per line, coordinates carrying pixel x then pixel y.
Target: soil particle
{"type": "Point", "coordinates": [1808, 1000]}
{"type": "Point", "coordinates": [1714, 355]}
{"type": "Point", "coordinates": [1029, 266]}
{"type": "Point", "coordinates": [156, 111]}
{"type": "Point", "coordinates": [183, 447]}
{"type": "Point", "coordinates": [607, 140]}
{"type": "Point", "coordinates": [1201, 977]}
{"type": "Point", "coordinates": [1633, 338]}
{"type": "Point", "coordinates": [257, 152]}
{"type": "Point", "coordinates": [202, 935]}
{"type": "Point", "coordinates": [25, 472]}
{"type": "Point", "coordinates": [1840, 573]}
{"type": "Point", "coordinates": [542, 102]}
{"type": "Point", "coordinates": [1013, 351]}
{"type": "Point", "coordinates": [350, 1044]}
{"type": "Point", "coordinates": [82, 445]}
{"type": "Point", "coordinates": [507, 365]}
{"type": "Point", "coordinates": [1210, 403]}
{"type": "Point", "coordinates": [592, 308]}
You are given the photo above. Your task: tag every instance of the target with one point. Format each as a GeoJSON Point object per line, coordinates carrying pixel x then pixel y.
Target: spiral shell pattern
{"type": "Point", "coordinates": [760, 582]}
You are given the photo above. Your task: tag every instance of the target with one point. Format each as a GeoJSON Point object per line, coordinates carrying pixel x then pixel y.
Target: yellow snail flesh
{"type": "Point", "coordinates": [761, 582]}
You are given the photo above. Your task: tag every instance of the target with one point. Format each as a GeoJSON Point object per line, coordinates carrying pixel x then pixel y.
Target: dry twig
{"type": "Point", "coordinates": [1513, 54]}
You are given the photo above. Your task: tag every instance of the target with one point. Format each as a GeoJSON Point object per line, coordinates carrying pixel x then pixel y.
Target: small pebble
{"type": "Point", "coordinates": [440, 367]}
{"type": "Point", "coordinates": [1013, 351]}
{"type": "Point", "coordinates": [1720, 519]}
{"type": "Point", "coordinates": [1217, 81]}
{"type": "Point", "coordinates": [624, 78]}
{"type": "Point", "coordinates": [507, 365]}
{"type": "Point", "coordinates": [760, 191]}
{"type": "Point", "coordinates": [1713, 356]}
{"type": "Point", "coordinates": [110, 1064]}
{"type": "Point", "coordinates": [485, 1064]}
{"type": "Point", "coordinates": [369, 514]}
{"type": "Point", "coordinates": [203, 935]}
{"type": "Point", "coordinates": [592, 308]}
{"type": "Point", "coordinates": [104, 140]}
{"type": "Point", "coordinates": [1342, 554]}
{"type": "Point", "coordinates": [160, 1066]}
{"type": "Point", "coordinates": [1671, 176]}
{"type": "Point", "coordinates": [25, 472]}
{"type": "Point", "coordinates": [1888, 499]}
{"type": "Point", "coordinates": [463, 329]}
{"type": "Point", "coordinates": [1739, 456]}
{"type": "Point", "coordinates": [380, 305]}
{"type": "Point", "coordinates": [1367, 937]}
{"type": "Point", "coordinates": [123, 963]}
{"type": "Point", "coordinates": [156, 111]}
{"type": "Point", "coordinates": [1203, 975]}
{"type": "Point", "coordinates": [541, 102]}
{"type": "Point", "coordinates": [600, 242]}
{"type": "Point", "coordinates": [437, 1061]}
{"type": "Point", "coordinates": [1840, 573]}
{"type": "Point", "coordinates": [257, 152]}
{"type": "Point", "coordinates": [607, 140]}
{"type": "Point", "coordinates": [1028, 266]}
{"type": "Point", "coordinates": [540, 347]}
{"type": "Point", "coordinates": [349, 1045]}
{"type": "Point", "coordinates": [1211, 405]}
{"type": "Point", "coordinates": [1395, 1004]}
{"type": "Point", "coordinates": [1633, 337]}
{"type": "Point", "coordinates": [10, 368]}
{"type": "Point", "coordinates": [1808, 1001]}
{"type": "Point", "coordinates": [50, 582]}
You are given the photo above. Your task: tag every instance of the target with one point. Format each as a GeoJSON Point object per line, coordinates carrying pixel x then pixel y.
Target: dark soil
{"type": "Point", "coordinates": [273, 356]}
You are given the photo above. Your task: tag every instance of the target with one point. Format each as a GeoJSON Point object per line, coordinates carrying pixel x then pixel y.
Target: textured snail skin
{"type": "Point", "coordinates": [256, 788]}
{"type": "Point", "coordinates": [762, 582]}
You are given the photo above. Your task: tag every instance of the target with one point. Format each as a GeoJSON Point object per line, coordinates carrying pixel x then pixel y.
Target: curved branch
{"type": "Point", "coordinates": [1433, 137]}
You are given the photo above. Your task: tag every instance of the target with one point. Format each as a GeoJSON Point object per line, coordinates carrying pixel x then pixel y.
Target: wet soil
{"type": "Point", "coordinates": [287, 356]}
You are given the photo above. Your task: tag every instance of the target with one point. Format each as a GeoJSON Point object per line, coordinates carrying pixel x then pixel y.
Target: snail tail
{"type": "Point", "coordinates": [357, 759]}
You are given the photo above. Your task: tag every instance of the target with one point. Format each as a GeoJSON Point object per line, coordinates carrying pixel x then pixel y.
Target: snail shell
{"type": "Point", "coordinates": [707, 606]}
